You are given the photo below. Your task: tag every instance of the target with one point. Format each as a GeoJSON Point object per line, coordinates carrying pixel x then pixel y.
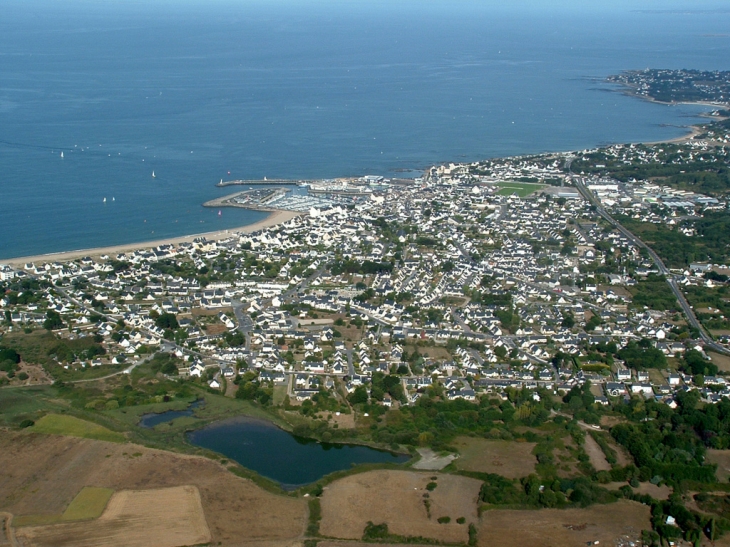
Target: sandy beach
{"type": "Point", "coordinates": [694, 130]}
{"type": "Point", "coordinates": [274, 219]}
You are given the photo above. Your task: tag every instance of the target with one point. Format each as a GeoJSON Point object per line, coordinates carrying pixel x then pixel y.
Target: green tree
{"type": "Point", "coordinates": [53, 320]}
{"type": "Point", "coordinates": [167, 321]}
{"type": "Point", "coordinates": [359, 396]}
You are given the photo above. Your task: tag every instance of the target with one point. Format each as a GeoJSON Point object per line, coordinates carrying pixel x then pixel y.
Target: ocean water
{"type": "Point", "coordinates": [197, 90]}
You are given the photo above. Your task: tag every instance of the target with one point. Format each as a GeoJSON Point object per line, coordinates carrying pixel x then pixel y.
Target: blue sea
{"type": "Point", "coordinates": [198, 91]}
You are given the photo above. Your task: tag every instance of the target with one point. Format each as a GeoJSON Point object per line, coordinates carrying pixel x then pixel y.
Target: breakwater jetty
{"type": "Point", "coordinates": [286, 182]}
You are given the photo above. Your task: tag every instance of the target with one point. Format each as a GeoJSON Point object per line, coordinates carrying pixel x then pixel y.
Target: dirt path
{"type": "Point", "coordinates": [9, 530]}
{"type": "Point", "coordinates": [231, 388]}
{"type": "Point", "coordinates": [598, 458]}
{"type": "Point", "coordinates": [431, 461]}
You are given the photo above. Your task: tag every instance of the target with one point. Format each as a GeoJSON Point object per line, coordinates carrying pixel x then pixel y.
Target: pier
{"type": "Point", "coordinates": [285, 182]}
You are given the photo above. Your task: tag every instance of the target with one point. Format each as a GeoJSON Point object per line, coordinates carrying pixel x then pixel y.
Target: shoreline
{"type": "Point", "coordinates": [274, 219]}
{"type": "Point", "coordinates": [280, 216]}
{"type": "Point", "coordinates": [694, 129]}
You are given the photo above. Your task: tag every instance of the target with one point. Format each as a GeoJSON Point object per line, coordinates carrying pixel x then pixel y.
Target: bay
{"type": "Point", "coordinates": [243, 89]}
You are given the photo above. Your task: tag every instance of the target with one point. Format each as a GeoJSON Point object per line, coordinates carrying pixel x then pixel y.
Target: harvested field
{"type": "Point", "coordinates": [510, 459]}
{"type": "Point", "coordinates": [167, 517]}
{"type": "Point", "coordinates": [397, 498]}
{"type": "Point", "coordinates": [595, 453]}
{"type": "Point", "coordinates": [722, 459]}
{"type": "Point", "coordinates": [567, 528]}
{"type": "Point", "coordinates": [334, 543]}
{"type": "Point", "coordinates": [42, 474]}
{"type": "Point", "coordinates": [88, 504]}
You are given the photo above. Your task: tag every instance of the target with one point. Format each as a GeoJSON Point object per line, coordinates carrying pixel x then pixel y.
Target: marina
{"type": "Point", "coordinates": [302, 195]}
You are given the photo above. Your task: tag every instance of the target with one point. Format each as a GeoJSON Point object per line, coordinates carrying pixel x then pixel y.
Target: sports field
{"type": "Point", "coordinates": [522, 189]}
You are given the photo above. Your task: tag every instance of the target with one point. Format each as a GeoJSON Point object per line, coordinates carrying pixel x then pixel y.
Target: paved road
{"type": "Point", "coordinates": [350, 366]}
{"type": "Point", "coordinates": [127, 370]}
{"type": "Point", "coordinates": [243, 321]}
{"type": "Point", "coordinates": [688, 311]}
{"type": "Point", "coordinates": [302, 285]}
{"type": "Point", "coordinates": [582, 425]}
{"type": "Point", "coordinates": [460, 320]}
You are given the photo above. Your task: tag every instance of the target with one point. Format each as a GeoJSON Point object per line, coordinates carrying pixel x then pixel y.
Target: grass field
{"type": "Point", "coordinates": [722, 459]}
{"type": "Point", "coordinates": [522, 189]}
{"type": "Point", "coordinates": [215, 407]}
{"type": "Point", "coordinates": [279, 394]}
{"type": "Point", "coordinates": [18, 404]}
{"type": "Point", "coordinates": [722, 361]}
{"type": "Point", "coordinates": [57, 424]}
{"type": "Point", "coordinates": [88, 504]}
{"type": "Point", "coordinates": [507, 458]}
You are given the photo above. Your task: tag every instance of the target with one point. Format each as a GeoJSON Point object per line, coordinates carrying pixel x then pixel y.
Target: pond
{"type": "Point", "coordinates": [282, 457]}
{"type": "Point", "coordinates": [151, 420]}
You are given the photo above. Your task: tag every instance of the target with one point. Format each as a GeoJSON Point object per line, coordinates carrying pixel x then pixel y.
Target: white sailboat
{"type": "Point", "coordinates": [104, 200]}
{"type": "Point", "coordinates": [153, 175]}
{"type": "Point", "coordinates": [61, 154]}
